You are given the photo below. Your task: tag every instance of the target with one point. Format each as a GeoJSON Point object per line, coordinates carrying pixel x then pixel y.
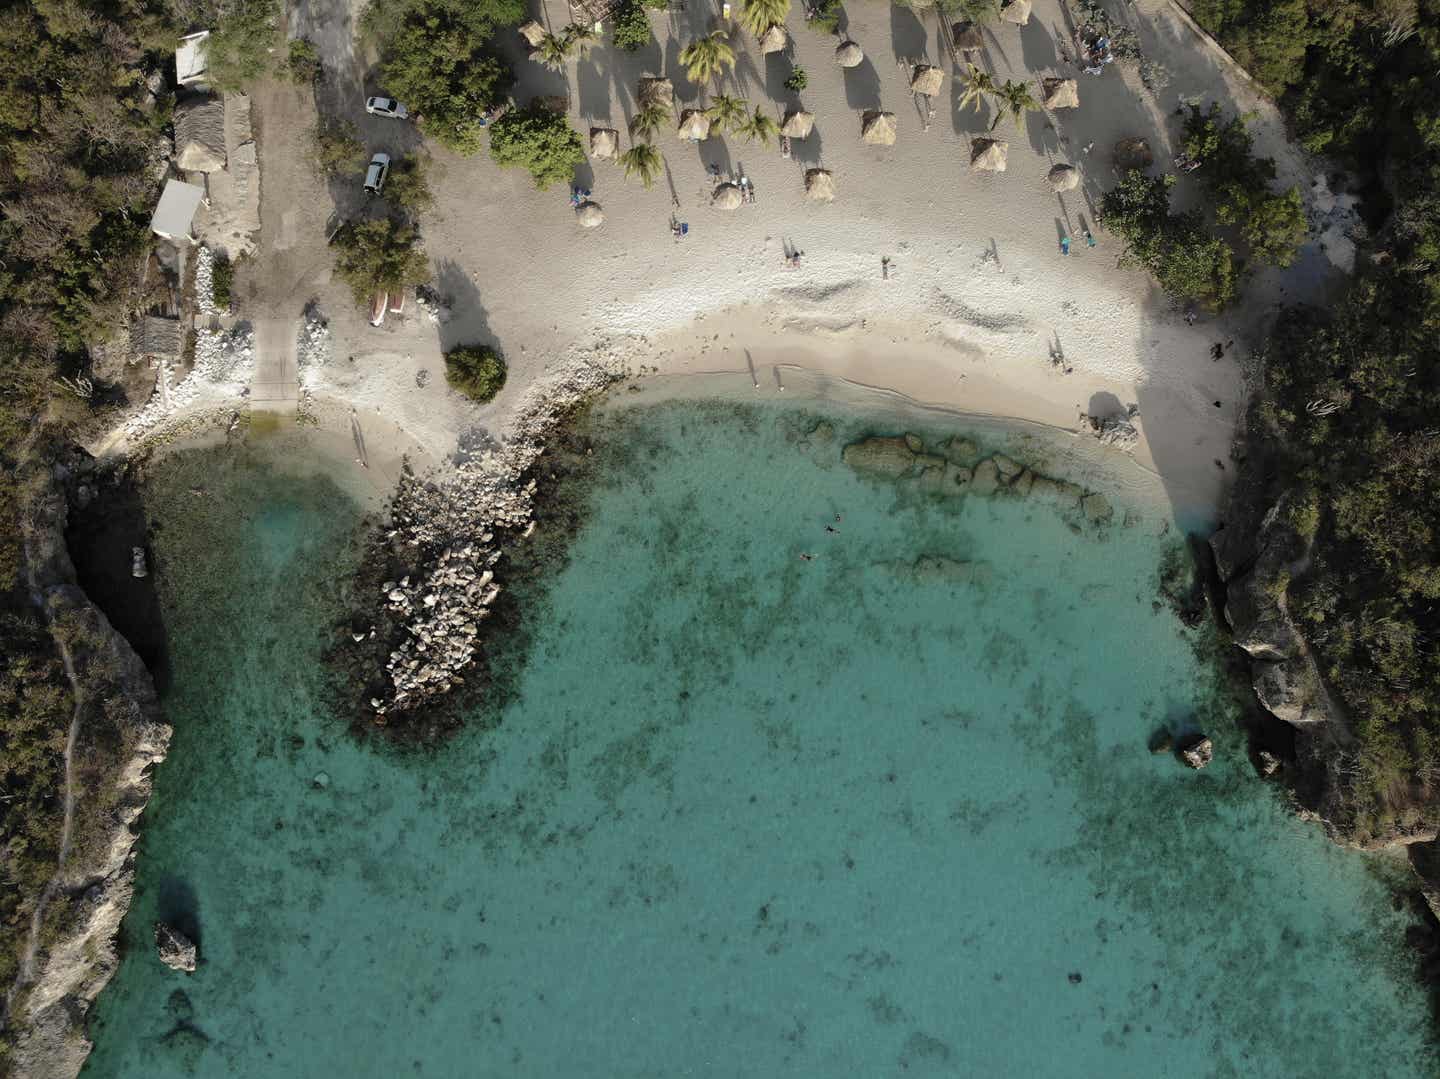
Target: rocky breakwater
{"type": "Point", "coordinates": [448, 531]}
{"type": "Point", "coordinates": [956, 467]}
{"type": "Point", "coordinates": [116, 737]}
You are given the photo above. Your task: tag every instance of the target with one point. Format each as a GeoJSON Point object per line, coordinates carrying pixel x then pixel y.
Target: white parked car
{"type": "Point", "coordinates": [376, 173]}
{"type": "Point", "coordinates": [386, 106]}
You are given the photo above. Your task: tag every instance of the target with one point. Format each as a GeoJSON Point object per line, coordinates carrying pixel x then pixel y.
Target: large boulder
{"type": "Point", "coordinates": [890, 458]}
{"type": "Point", "coordinates": [1290, 690]}
{"type": "Point", "coordinates": [176, 950]}
{"type": "Point", "coordinates": [1197, 751]}
{"type": "Point", "coordinates": [1257, 617]}
{"type": "Point", "coordinates": [1008, 466]}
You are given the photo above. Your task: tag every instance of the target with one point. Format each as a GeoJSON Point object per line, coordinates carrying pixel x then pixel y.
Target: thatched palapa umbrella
{"type": "Point", "coordinates": [1017, 11]}
{"type": "Point", "coordinates": [849, 54]}
{"type": "Point", "coordinates": [989, 154]}
{"type": "Point", "coordinates": [926, 80]}
{"type": "Point", "coordinates": [727, 197]}
{"type": "Point", "coordinates": [1133, 154]}
{"type": "Point", "coordinates": [533, 33]}
{"type": "Point", "coordinates": [774, 39]}
{"type": "Point", "coordinates": [1060, 93]}
{"type": "Point", "coordinates": [967, 36]}
{"type": "Point", "coordinates": [589, 215]}
{"type": "Point", "coordinates": [604, 143]}
{"type": "Point", "coordinates": [878, 128]}
{"type": "Point", "coordinates": [657, 91]}
{"type": "Point", "coordinates": [819, 185]}
{"type": "Point", "coordinates": [1063, 178]}
{"type": "Point", "coordinates": [694, 125]}
{"type": "Point", "coordinates": [797, 125]}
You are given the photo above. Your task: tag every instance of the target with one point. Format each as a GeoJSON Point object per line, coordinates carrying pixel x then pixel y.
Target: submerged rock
{"type": "Point", "coordinates": [915, 442]}
{"type": "Point", "coordinates": [986, 478]}
{"type": "Point", "coordinates": [1161, 742]}
{"type": "Point", "coordinates": [880, 456]}
{"type": "Point", "coordinates": [1009, 467]}
{"type": "Point", "coordinates": [959, 451]}
{"type": "Point", "coordinates": [1022, 483]}
{"type": "Point", "coordinates": [1198, 751]}
{"type": "Point", "coordinates": [1097, 508]}
{"type": "Point", "coordinates": [176, 950]}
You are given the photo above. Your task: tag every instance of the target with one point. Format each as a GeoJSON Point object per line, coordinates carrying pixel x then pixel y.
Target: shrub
{"type": "Point", "coordinates": [1186, 260]}
{"type": "Point", "coordinates": [222, 280]}
{"type": "Point", "coordinates": [825, 16]}
{"type": "Point", "coordinates": [375, 255]}
{"type": "Point", "coordinates": [797, 80]}
{"type": "Point", "coordinates": [302, 62]}
{"type": "Point", "coordinates": [408, 185]}
{"type": "Point", "coordinates": [238, 51]}
{"type": "Point", "coordinates": [476, 371]}
{"type": "Point", "coordinates": [336, 149]}
{"type": "Point", "coordinates": [632, 27]}
{"type": "Point", "coordinates": [540, 140]}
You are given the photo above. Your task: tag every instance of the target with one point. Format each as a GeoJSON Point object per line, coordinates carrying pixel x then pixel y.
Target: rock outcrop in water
{"type": "Point", "coordinates": [117, 737]}
{"type": "Point", "coordinates": [956, 467]}
{"type": "Point", "coordinates": [176, 950]}
{"type": "Point", "coordinates": [452, 528]}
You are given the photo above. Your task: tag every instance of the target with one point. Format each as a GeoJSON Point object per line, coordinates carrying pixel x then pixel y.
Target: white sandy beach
{"type": "Point", "coordinates": [978, 310]}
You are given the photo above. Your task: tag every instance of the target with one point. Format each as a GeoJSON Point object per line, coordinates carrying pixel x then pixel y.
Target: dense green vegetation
{"type": "Point", "coordinates": [336, 149]}
{"type": "Point", "coordinates": [631, 26]}
{"type": "Point", "coordinates": [222, 280]}
{"type": "Point", "coordinates": [408, 186]}
{"type": "Point", "coordinates": [1271, 224]}
{"type": "Point", "coordinates": [77, 189]}
{"type": "Point", "coordinates": [540, 140]}
{"type": "Point", "coordinates": [1348, 416]}
{"type": "Point", "coordinates": [237, 52]}
{"type": "Point", "coordinates": [1187, 261]}
{"type": "Point", "coordinates": [825, 16]}
{"type": "Point", "coordinates": [440, 61]}
{"type": "Point", "coordinates": [371, 256]}
{"type": "Point", "coordinates": [477, 371]}
{"type": "Point", "coordinates": [302, 62]}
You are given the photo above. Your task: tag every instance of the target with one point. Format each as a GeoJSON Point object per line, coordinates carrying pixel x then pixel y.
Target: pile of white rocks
{"type": "Point", "coordinates": [224, 360]}
{"type": "Point", "coordinates": [205, 282]}
{"type": "Point", "coordinates": [431, 303]}
{"type": "Point", "coordinates": [457, 522]}
{"type": "Point", "coordinates": [1118, 431]}
{"type": "Point", "coordinates": [313, 345]}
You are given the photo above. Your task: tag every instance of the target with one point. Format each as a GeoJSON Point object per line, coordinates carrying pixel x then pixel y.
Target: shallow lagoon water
{"type": "Point", "coordinates": [748, 814]}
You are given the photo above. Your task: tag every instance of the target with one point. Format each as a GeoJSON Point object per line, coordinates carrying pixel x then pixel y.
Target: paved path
{"type": "Point", "coordinates": [275, 385]}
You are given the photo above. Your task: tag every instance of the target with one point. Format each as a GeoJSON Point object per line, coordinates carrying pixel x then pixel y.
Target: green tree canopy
{"type": "Point", "coordinates": [708, 57]}
{"type": "Point", "coordinates": [1187, 261]}
{"type": "Point", "coordinates": [540, 140]}
{"type": "Point", "coordinates": [375, 255]}
{"type": "Point", "coordinates": [477, 371]}
{"type": "Point", "coordinates": [643, 162]}
{"type": "Point", "coordinates": [440, 63]}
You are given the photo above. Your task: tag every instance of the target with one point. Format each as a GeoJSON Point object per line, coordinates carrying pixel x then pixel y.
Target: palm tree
{"type": "Point", "coordinates": [708, 57]}
{"type": "Point", "coordinates": [1014, 99]}
{"type": "Point", "coordinates": [553, 51]}
{"type": "Point", "coordinates": [650, 119]}
{"type": "Point", "coordinates": [727, 113]}
{"type": "Point", "coordinates": [760, 15]}
{"type": "Point", "coordinates": [759, 126]}
{"type": "Point", "coordinates": [642, 160]}
{"type": "Point", "coordinates": [978, 86]}
{"type": "Point", "coordinates": [579, 38]}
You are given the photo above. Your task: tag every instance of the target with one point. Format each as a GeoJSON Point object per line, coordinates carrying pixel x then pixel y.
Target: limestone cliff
{"type": "Point", "coordinates": [117, 735]}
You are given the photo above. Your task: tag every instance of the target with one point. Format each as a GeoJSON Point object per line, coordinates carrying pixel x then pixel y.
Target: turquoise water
{"type": "Point", "coordinates": [747, 814]}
